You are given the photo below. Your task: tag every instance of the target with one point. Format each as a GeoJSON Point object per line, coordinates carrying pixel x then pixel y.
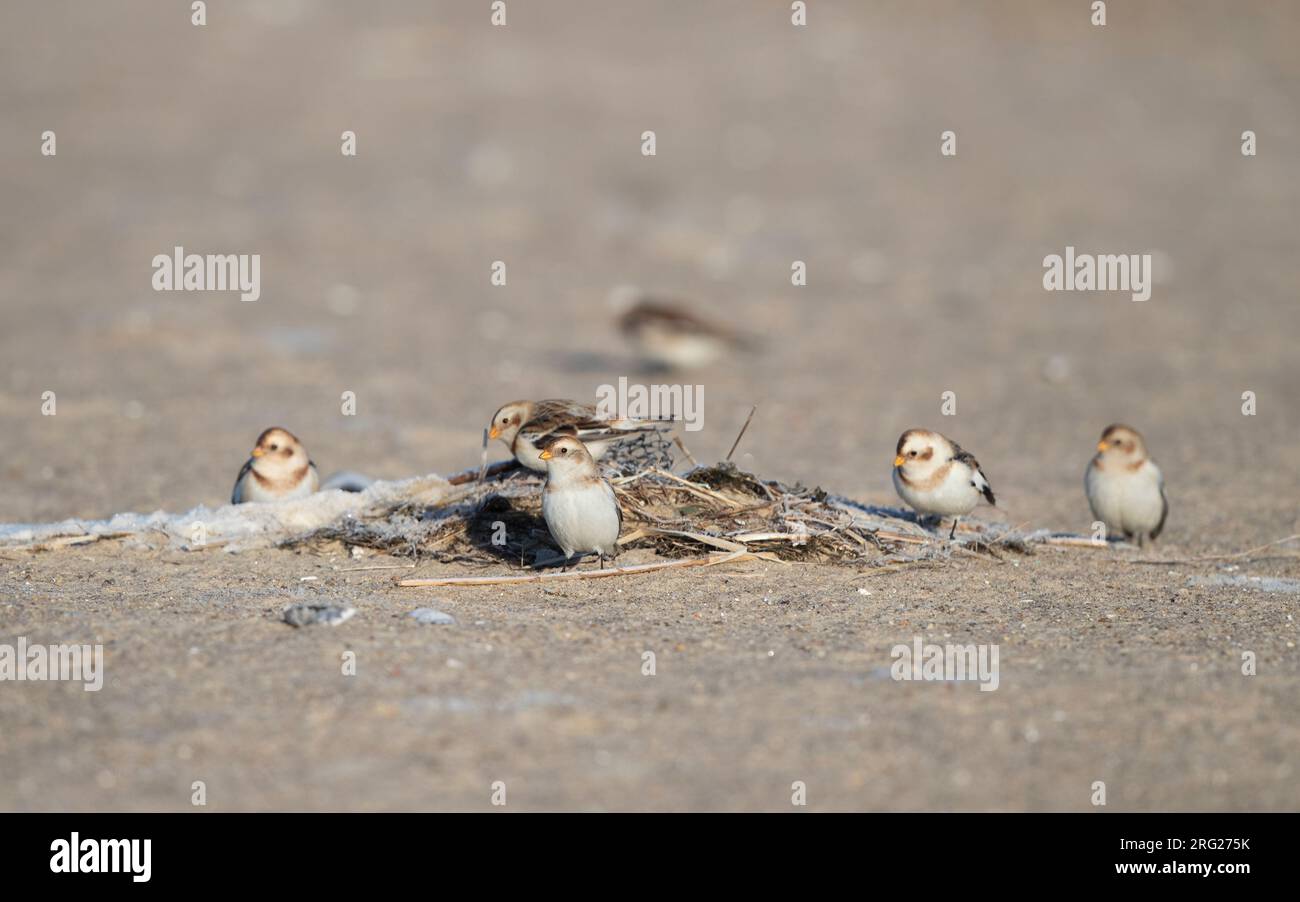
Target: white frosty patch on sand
{"type": "Point", "coordinates": [1259, 583]}
{"type": "Point", "coordinates": [237, 527]}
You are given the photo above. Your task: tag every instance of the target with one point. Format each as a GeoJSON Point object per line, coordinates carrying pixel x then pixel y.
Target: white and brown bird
{"type": "Point", "coordinates": [579, 506]}
{"type": "Point", "coordinates": [935, 476]}
{"type": "Point", "coordinates": [277, 468]}
{"type": "Point", "coordinates": [1126, 489]}
{"type": "Point", "coordinates": [669, 336]}
{"type": "Point", "coordinates": [526, 426]}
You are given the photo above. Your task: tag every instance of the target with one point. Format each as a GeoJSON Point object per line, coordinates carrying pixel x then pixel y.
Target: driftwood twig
{"type": "Point", "coordinates": [711, 561]}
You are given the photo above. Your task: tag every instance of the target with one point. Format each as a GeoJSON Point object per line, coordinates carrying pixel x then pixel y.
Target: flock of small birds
{"type": "Point", "coordinates": [564, 439]}
{"type": "Point", "coordinates": [933, 474]}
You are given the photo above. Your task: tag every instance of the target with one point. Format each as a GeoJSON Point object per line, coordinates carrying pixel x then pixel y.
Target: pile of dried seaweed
{"type": "Point", "coordinates": [717, 508]}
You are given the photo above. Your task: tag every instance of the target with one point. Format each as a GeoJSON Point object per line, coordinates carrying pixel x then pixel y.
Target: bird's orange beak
{"type": "Point", "coordinates": [1101, 446]}
{"type": "Point", "coordinates": [257, 452]}
{"type": "Point", "coordinates": [546, 455]}
{"type": "Point", "coordinates": [494, 431]}
{"type": "Point", "coordinates": [898, 461]}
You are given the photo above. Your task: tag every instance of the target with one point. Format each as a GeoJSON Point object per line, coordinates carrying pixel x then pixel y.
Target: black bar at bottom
{"type": "Point", "coordinates": [335, 851]}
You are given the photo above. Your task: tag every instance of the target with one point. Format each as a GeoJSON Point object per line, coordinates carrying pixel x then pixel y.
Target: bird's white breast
{"type": "Point", "coordinates": [582, 518]}
{"type": "Point", "coordinates": [684, 351]}
{"type": "Point", "coordinates": [953, 497]}
{"type": "Point", "coordinates": [1127, 501]}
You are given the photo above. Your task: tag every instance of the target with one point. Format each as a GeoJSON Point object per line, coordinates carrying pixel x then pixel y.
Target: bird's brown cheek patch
{"type": "Point", "coordinates": [283, 484]}
{"type": "Point", "coordinates": [936, 480]}
{"type": "Point", "coordinates": [929, 453]}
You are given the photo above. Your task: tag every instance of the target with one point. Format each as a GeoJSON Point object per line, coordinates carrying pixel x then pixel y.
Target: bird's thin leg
{"type": "Point", "coordinates": [954, 528]}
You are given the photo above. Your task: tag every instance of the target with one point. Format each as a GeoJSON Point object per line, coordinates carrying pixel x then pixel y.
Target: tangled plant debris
{"type": "Point", "coordinates": [492, 515]}
{"type": "Point", "coordinates": [716, 508]}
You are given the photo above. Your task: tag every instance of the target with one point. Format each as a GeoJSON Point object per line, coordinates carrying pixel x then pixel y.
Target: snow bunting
{"type": "Point", "coordinates": [935, 476]}
{"type": "Point", "coordinates": [278, 467]}
{"type": "Point", "coordinates": [1126, 490]}
{"type": "Point", "coordinates": [579, 507]}
{"type": "Point", "coordinates": [526, 426]}
{"type": "Point", "coordinates": [669, 336]}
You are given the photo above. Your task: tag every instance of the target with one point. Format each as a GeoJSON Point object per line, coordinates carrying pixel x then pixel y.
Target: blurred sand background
{"type": "Point", "coordinates": [774, 143]}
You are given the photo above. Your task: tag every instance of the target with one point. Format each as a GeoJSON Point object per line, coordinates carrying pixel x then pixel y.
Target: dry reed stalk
{"type": "Point", "coordinates": [711, 561]}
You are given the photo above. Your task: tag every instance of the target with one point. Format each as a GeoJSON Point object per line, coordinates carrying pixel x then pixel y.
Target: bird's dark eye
{"type": "Point", "coordinates": [911, 454]}
{"type": "Point", "coordinates": [275, 447]}
{"type": "Point", "coordinates": [564, 450]}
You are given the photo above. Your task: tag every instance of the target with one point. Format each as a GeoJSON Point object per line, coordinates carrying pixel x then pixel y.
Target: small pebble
{"type": "Point", "coordinates": [308, 614]}
{"type": "Point", "coordinates": [1057, 369]}
{"type": "Point", "coordinates": [429, 615]}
